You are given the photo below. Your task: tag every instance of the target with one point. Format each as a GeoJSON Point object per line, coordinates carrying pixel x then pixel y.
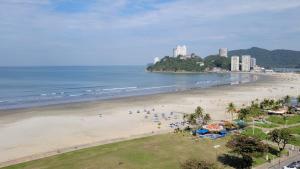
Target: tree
{"type": "Point", "coordinates": [231, 109]}
{"type": "Point", "coordinates": [206, 118]}
{"type": "Point", "coordinates": [287, 100]}
{"type": "Point", "coordinates": [199, 111]}
{"type": "Point", "coordinates": [246, 147]}
{"type": "Point", "coordinates": [243, 113]}
{"type": "Point", "coordinates": [290, 110]}
{"type": "Point", "coordinates": [298, 100]}
{"type": "Point", "coordinates": [198, 117]}
{"type": "Point", "coordinates": [195, 164]}
{"type": "Point", "coordinates": [281, 137]}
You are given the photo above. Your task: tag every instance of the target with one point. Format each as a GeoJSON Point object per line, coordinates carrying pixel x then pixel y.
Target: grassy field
{"type": "Point", "coordinates": [296, 131]}
{"type": "Point", "coordinates": [159, 152]}
{"type": "Point", "coordinates": [280, 120]}
{"type": "Point", "coordinates": [257, 133]}
{"type": "Point", "coordinates": [266, 125]}
{"type": "Point", "coordinates": [296, 141]}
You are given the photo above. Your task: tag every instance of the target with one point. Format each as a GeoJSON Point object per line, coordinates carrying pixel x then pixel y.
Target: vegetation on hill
{"type": "Point", "coordinates": [194, 64]}
{"type": "Point", "coordinates": [176, 64]}
{"type": "Point", "coordinates": [271, 58]}
{"type": "Point", "coordinates": [212, 61]}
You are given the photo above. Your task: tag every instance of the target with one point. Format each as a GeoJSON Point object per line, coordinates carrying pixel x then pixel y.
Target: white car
{"type": "Point", "coordinates": [293, 165]}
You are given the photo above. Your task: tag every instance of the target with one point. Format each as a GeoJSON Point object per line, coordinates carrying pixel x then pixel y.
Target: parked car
{"type": "Point", "coordinates": [293, 165]}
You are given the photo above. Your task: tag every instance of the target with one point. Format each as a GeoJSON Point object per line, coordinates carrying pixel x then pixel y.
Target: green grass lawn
{"type": "Point", "coordinates": [295, 130]}
{"type": "Point", "coordinates": [280, 120]}
{"type": "Point", "coordinates": [266, 125]}
{"type": "Point", "coordinates": [257, 133]}
{"type": "Point", "coordinates": [296, 141]}
{"type": "Point", "coordinates": [159, 152]}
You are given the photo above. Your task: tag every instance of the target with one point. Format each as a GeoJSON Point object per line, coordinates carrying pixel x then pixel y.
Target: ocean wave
{"type": "Point", "coordinates": [75, 95]}
{"type": "Point", "coordinates": [84, 87]}
{"type": "Point", "coordinates": [119, 88]}
{"type": "Point", "coordinates": [157, 87]}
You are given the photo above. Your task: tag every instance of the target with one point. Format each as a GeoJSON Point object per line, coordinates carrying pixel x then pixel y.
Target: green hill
{"type": "Point", "coordinates": [279, 58]}
{"type": "Point", "coordinates": [175, 64]}
{"type": "Point", "coordinates": [194, 64]}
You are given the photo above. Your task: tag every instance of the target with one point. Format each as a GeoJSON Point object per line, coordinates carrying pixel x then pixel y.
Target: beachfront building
{"type": "Point", "coordinates": [246, 63]}
{"type": "Point", "coordinates": [223, 52]}
{"type": "Point", "coordinates": [156, 59]}
{"type": "Point", "coordinates": [235, 63]}
{"type": "Point", "coordinates": [180, 50]}
{"type": "Point", "coordinates": [252, 63]}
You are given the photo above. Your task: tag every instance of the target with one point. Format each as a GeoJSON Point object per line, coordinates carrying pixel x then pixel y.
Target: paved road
{"type": "Point", "coordinates": [287, 161]}
{"type": "Point", "coordinates": [283, 161]}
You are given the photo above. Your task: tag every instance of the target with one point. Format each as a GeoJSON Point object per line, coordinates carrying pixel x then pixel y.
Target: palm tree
{"type": "Point", "coordinates": [199, 111]}
{"type": "Point", "coordinates": [231, 109]}
{"type": "Point", "coordinates": [206, 118]}
{"type": "Point", "coordinates": [198, 117]}
{"type": "Point", "coordinates": [193, 117]}
{"type": "Point", "coordinates": [287, 100]}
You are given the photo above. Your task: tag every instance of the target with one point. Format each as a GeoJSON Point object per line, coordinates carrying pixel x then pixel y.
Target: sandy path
{"type": "Point", "coordinates": [56, 129]}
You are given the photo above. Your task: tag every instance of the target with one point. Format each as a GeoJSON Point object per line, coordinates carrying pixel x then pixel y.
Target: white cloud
{"type": "Point", "coordinates": [131, 24]}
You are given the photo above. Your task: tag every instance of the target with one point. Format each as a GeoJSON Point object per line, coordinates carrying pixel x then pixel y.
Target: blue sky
{"type": "Point", "coordinates": [133, 32]}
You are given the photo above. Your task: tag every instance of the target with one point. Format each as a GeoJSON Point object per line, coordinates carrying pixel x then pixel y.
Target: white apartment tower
{"type": "Point", "coordinates": [180, 50]}
{"type": "Point", "coordinates": [252, 63]}
{"type": "Point", "coordinates": [246, 63]}
{"type": "Point", "coordinates": [156, 59]}
{"type": "Point", "coordinates": [223, 52]}
{"type": "Point", "coordinates": [235, 63]}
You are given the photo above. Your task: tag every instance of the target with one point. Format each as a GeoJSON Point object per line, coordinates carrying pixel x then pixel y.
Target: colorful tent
{"type": "Point", "coordinates": [213, 127]}
{"type": "Point", "coordinates": [202, 131]}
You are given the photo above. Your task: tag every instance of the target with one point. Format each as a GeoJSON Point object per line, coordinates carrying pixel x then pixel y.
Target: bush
{"type": "Point", "coordinates": [247, 147]}
{"type": "Point", "coordinates": [195, 164]}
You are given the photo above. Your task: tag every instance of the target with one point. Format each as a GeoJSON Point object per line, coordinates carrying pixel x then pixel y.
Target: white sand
{"type": "Point", "coordinates": [37, 132]}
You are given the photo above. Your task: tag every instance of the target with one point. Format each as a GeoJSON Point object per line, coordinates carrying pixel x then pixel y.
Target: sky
{"type": "Point", "coordinates": [133, 32]}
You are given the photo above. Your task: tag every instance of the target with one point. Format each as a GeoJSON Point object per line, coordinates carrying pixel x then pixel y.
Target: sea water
{"type": "Point", "coordinates": [35, 86]}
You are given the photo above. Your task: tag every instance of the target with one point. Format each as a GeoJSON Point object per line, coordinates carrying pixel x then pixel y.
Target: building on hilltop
{"type": "Point", "coordinates": [223, 52]}
{"type": "Point", "coordinates": [156, 59]}
{"type": "Point", "coordinates": [235, 63]}
{"type": "Point", "coordinates": [180, 51]}
{"type": "Point", "coordinates": [252, 63]}
{"type": "Point", "coordinates": [246, 63]}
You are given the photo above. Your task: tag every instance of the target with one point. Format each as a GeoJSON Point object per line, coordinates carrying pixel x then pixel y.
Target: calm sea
{"type": "Point", "coordinates": [35, 86]}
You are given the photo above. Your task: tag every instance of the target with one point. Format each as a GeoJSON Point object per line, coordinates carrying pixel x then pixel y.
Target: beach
{"type": "Point", "coordinates": [33, 133]}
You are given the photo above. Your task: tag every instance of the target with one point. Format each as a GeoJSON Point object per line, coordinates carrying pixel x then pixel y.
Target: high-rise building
{"type": "Point", "coordinates": [235, 63]}
{"type": "Point", "coordinates": [252, 63]}
{"type": "Point", "coordinates": [156, 59]}
{"type": "Point", "coordinates": [180, 50]}
{"type": "Point", "coordinates": [246, 63]}
{"type": "Point", "coordinates": [223, 52]}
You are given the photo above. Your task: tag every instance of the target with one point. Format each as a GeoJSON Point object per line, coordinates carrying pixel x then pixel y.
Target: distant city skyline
{"type": "Point", "coordinates": [128, 32]}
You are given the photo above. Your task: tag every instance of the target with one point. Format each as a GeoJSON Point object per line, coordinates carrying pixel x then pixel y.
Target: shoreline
{"type": "Point", "coordinates": [55, 128]}
{"type": "Point", "coordinates": [91, 101]}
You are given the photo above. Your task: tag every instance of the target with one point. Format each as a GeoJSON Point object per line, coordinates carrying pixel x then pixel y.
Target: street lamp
{"type": "Point", "coordinates": [216, 148]}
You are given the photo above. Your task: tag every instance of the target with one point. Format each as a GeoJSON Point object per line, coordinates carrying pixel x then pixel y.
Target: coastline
{"type": "Point", "coordinates": [60, 128]}
{"type": "Point", "coordinates": [85, 90]}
